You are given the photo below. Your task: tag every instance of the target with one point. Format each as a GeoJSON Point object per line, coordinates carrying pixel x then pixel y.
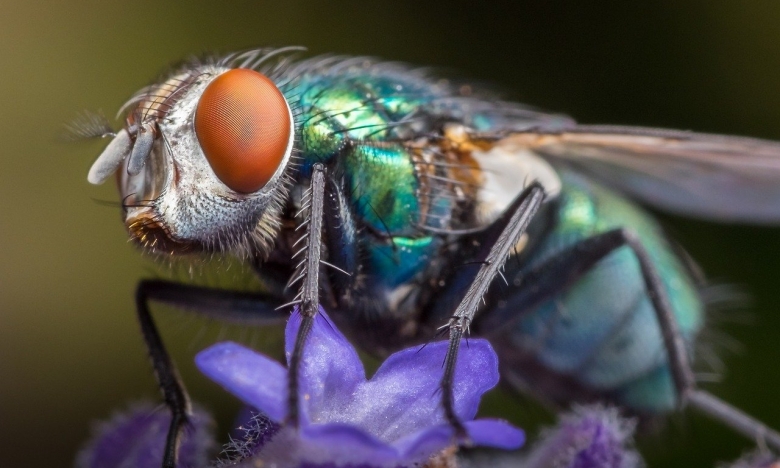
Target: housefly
{"type": "Point", "coordinates": [394, 199]}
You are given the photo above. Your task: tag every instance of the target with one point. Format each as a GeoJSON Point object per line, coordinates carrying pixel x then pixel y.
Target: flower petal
{"type": "Point", "coordinates": [256, 380]}
{"type": "Point", "coordinates": [495, 433]}
{"type": "Point", "coordinates": [482, 432]}
{"type": "Point", "coordinates": [355, 444]}
{"type": "Point", "coordinates": [426, 442]}
{"type": "Point", "coordinates": [331, 368]}
{"type": "Point", "coordinates": [330, 445]}
{"type": "Point", "coordinates": [404, 394]}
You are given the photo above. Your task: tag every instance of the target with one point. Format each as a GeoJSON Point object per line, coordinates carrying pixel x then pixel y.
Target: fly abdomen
{"type": "Point", "coordinates": [601, 332]}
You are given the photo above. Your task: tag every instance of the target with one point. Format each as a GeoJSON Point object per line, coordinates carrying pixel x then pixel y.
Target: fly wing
{"type": "Point", "coordinates": [716, 177]}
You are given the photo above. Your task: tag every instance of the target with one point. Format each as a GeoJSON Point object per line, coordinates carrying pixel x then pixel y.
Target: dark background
{"type": "Point", "coordinates": [69, 347]}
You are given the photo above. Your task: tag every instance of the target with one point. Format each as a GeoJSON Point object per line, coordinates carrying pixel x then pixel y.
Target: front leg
{"type": "Point", "coordinates": [308, 274]}
{"type": "Point", "coordinates": [247, 308]}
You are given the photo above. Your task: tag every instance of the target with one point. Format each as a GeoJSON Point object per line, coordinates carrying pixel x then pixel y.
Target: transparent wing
{"type": "Point", "coordinates": [714, 177]}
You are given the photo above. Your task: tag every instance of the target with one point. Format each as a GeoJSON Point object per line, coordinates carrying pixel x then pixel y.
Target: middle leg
{"type": "Point", "coordinates": [525, 208]}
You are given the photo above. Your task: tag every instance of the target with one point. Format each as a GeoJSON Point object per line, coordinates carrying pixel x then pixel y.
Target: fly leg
{"type": "Point", "coordinates": [248, 308]}
{"type": "Point", "coordinates": [308, 272]}
{"type": "Point", "coordinates": [528, 204]}
{"type": "Point", "coordinates": [565, 268]}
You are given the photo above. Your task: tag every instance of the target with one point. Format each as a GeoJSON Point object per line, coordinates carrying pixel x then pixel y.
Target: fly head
{"type": "Point", "coordinates": [202, 163]}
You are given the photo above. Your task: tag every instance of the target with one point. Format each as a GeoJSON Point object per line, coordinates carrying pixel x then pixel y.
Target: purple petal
{"type": "Point", "coordinates": [404, 395]}
{"type": "Point", "coordinates": [331, 368]}
{"type": "Point", "coordinates": [476, 372]}
{"type": "Point", "coordinates": [482, 432]}
{"type": "Point", "coordinates": [137, 438]}
{"type": "Point", "coordinates": [495, 433]}
{"type": "Point", "coordinates": [426, 442]}
{"type": "Point", "coordinates": [256, 380]}
{"type": "Point", "coordinates": [356, 444]}
{"type": "Point", "coordinates": [333, 445]}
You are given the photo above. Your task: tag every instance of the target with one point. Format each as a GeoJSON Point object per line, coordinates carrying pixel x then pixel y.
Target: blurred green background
{"type": "Point", "coordinates": [69, 346]}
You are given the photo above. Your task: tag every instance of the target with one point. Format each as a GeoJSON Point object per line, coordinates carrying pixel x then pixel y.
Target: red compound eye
{"type": "Point", "coordinates": [243, 126]}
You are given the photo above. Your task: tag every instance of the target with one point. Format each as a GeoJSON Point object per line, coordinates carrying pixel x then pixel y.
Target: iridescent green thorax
{"type": "Point", "coordinates": [381, 126]}
{"type": "Point", "coordinates": [364, 120]}
{"type": "Point", "coordinates": [339, 108]}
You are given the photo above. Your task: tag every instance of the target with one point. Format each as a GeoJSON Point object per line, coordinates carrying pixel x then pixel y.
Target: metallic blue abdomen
{"type": "Point", "coordinates": [602, 332]}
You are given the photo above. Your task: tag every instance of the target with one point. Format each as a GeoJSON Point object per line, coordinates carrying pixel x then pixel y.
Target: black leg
{"type": "Point", "coordinates": [173, 391]}
{"type": "Point", "coordinates": [244, 308]}
{"type": "Point", "coordinates": [442, 301]}
{"type": "Point", "coordinates": [565, 268]}
{"type": "Point", "coordinates": [529, 202]}
{"type": "Point", "coordinates": [309, 274]}
{"type": "Point", "coordinates": [227, 305]}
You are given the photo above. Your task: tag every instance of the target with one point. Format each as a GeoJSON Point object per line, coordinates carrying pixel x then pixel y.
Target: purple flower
{"type": "Point", "coordinates": [136, 438]}
{"type": "Point", "coordinates": [590, 437]}
{"type": "Point", "coordinates": [393, 419]}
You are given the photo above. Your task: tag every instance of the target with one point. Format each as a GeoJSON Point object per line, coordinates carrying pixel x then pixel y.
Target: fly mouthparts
{"type": "Point", "coordinates": [110, 159]}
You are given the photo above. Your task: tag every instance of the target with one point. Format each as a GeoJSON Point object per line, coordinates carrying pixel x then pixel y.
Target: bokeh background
{"type": "Point", "coordinates": [69, 348]}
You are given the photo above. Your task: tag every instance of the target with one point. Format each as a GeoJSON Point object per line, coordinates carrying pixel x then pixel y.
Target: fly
{"type": "Point", "coordinates": [394, 200]}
